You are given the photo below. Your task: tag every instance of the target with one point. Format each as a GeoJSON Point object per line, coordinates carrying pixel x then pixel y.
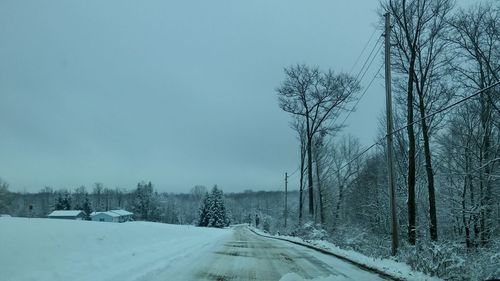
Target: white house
{"type": "Point", "coordinates": [112, 216]}
{"type": "Point", "coordinates": [105, 216]}
{"type": "Point", "coordinates": [124, 215]}
{"type": "Point", "coordinates": [68, 215]}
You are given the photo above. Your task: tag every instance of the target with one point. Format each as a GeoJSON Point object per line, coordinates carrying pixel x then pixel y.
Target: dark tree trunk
{"type": "Point", "coordinates": [310, 177]}
{"type": "Point", "coordinates": [429, 171]}
{"type": "Point", "coordinates": [485, 171]}
{"type": "Point", "coordinates": [411, 155]}
{"type": "Point", "coordinates": [320, 193]}
{"type": "Point", "coordinates": [301, 183]}
{"type": "Point", "coordinates": [464, 221]}
{"type": "Point", "coordinates": [339, 202]}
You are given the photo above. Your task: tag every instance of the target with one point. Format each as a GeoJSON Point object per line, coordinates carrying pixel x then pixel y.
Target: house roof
{"type": "Point", "coordinates": [122, 212]}
{"type": "Point", "coordinates": [109, 213]}
{"type": "Point", "coordinates": [68, 213]}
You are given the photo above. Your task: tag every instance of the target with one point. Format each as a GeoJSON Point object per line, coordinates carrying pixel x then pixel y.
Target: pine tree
{"type": "Point", "coordinates": [204, 209]}
{"type": "Point", "coordinates": [63, 201]}
{"type": "Point", "coordinates": [213, 211]}
{"type": "Point", "coordinates": [5, 197]}
{"type": "Point", "coordinates": [146, 203]}
{"type": "Point", "coordinates": [87, 208]}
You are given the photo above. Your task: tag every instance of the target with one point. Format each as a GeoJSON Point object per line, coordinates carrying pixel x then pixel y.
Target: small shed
{"type": "Point", "coordinates": [105, 216]}
{"type": "Point", "coordinates": [67, 215]}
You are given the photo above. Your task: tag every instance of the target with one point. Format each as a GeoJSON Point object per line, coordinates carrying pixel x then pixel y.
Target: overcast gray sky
{"type": "Point", "coordinates": [179, 93]}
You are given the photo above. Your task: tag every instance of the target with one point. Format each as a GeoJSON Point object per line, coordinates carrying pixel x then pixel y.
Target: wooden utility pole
{"type": "Point", "coordinates": [286, 197]}
{"type": "Point", "coordinates": [390, 163]}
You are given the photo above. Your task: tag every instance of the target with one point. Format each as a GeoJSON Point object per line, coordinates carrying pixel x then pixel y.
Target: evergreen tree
{"type": "Point", "coordinates": [63, 201]}
{"type": "Point", "coordinates": [87, 208]}
{"type": "Point", "coordinates": [146, 203]}
{"type": "Point", "coordinates": [5, 197]}
{"type": "Point", "coordinates": [213, 211]}
{"type": "Point", "coordinates": [204, 209]}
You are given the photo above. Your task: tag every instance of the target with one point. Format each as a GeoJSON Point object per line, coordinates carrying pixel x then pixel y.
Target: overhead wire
{"type": "Point", "coordinates": [363, 50]}
{"type": "Point", "coordinates": [415, 122]}
{"type": "Point", "coordinates": [362, 72]}
{"type": "Point", "coordinates": [364, 69]}
{"type": "Point", "coordinates": [362, 95]}
{"type": "Point", "coordinates": [294, 172]}
{"type": "Point", "coordinates": [371, 58]}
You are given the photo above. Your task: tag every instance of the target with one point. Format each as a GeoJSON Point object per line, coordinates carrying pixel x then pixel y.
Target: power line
{"type": "Point", "coordinates": [414, 122]}
{"type": "Point", "coordinates": [362, 95]}
{"type": "Point", "coordinates": [371, 62]}
{"type": "Point", "coordinates": [448, 107]}
{"type": "Point", "coordinates": [369, 58]}
{"type": "Point", "coordinates": [364, 70]}
{"type": "Point", "coordinates": [357, 102]}
{"type": "Point", "coordinates": [362, 51]}
{"type": "Point", "coordinates": [293, 173]}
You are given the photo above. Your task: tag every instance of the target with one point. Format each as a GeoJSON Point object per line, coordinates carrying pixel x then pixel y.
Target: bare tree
{"type": "Point", "coordinates": [419, 28]}
{"type": "Point", "coordinates": [476, 37]}
{"type": "Point", "coordinates": [299, 126]}
{"type": "Point", "coordinates": [315, 97]}
{"type": "Point", "coordinates": [97, 192]}
{"type": "Point", "coordinates": [344, 172]}
{"type": "Point", "coordinates": [320, 154]}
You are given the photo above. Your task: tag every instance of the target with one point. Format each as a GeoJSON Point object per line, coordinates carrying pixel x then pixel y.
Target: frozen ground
{"type": "Point", "coordinates": [48, 249]}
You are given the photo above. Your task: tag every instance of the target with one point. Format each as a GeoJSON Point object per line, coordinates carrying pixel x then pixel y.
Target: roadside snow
{"type": "Point", "coordinates": [296, 277]}
{"type": "Point", "coordinates": [51, 249]}
{"type": "Point", "coordinates": [393, 268]}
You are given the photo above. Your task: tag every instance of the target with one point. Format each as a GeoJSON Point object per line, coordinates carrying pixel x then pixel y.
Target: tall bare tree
{"type": "Point", "coordinates": [299, 126]}
{"type": "Point", "coordinates": [315, 97]}
{"type": "Point", "coordinates": [476, 37]}
{"type": "Point", "coordinates": [419, 29]}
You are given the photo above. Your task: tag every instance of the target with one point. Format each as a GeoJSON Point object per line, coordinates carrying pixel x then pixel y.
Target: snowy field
{"type": "Point", "coordinates": [50, 249]}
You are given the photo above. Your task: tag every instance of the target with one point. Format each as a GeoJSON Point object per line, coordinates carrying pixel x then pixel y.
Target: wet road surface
{"type": "Point", "coordinates": [248, 256]}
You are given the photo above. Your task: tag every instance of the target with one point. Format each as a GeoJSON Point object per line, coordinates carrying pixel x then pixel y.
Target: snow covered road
{"type": "Point", "coordinates": [247, 256]}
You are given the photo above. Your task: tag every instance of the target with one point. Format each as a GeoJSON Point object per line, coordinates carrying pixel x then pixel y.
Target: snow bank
{"type": "Point", "coordinates": [296, 277]}
{"type": "Point", "coordinates": [392, 268]}
{"type": "Point", "coordinates": [51, 249]}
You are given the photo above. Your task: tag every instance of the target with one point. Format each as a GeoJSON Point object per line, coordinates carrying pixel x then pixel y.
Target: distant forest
{"type": "Point", "coordinates": [148, 204]}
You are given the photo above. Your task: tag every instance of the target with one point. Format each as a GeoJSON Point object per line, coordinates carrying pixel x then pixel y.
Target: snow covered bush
{"type": "Point", "coordinates": [361, 240]}
{"type": "Point", "coordinates": [442, 259]}
{"type": "Point", "coordinates": [452, 261]}
{"type": "Point", "coordinates": [310, 231]}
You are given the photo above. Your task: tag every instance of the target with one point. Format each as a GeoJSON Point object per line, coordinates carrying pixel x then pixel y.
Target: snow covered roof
{"type": "Point", "coordinates": [111, 214]}
{"type": "Point", "coordinates": [108, 213]}
{"type": "Point", "coordinates": [122, 212]}
{"type": "Point", "coordinates": [68, 213]}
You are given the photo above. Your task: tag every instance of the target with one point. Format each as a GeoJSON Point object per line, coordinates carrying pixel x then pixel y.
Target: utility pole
{"type": "Point", "coordinates": [286, 197]}
{"type": "Point", "coordinates": [390, 163]}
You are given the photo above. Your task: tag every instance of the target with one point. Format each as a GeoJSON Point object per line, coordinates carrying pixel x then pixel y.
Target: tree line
{"type": "Point", "coordinates": [447, 164]}
{"type": "Point", "coordinates": [150, 205]}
